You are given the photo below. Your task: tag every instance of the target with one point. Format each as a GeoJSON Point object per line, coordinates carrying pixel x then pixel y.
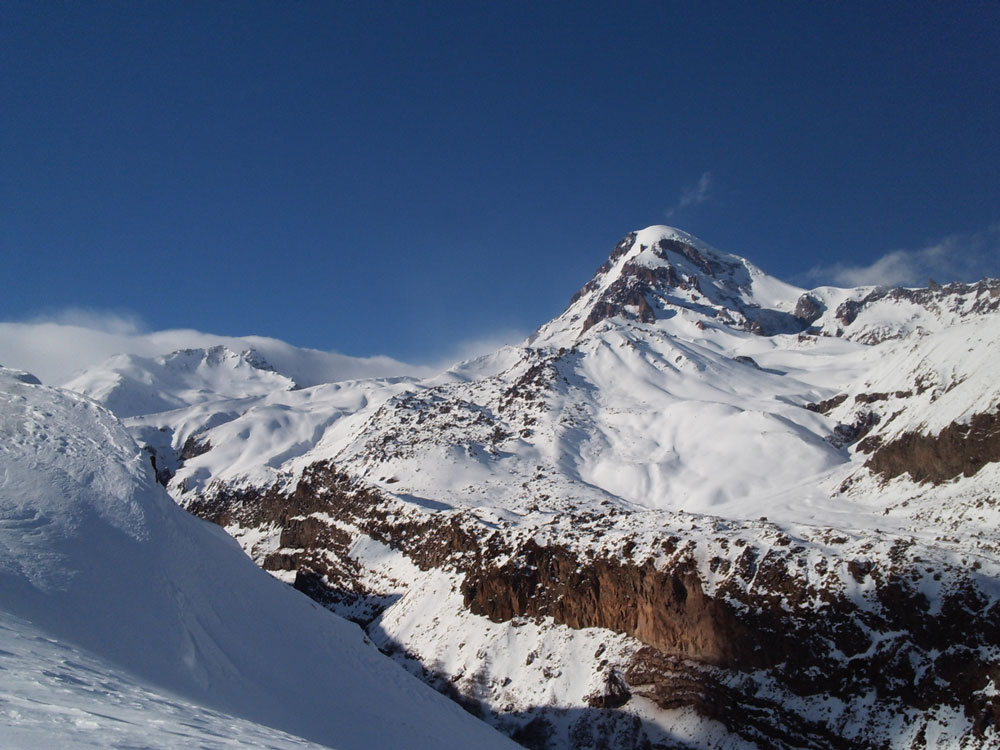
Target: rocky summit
{"type": "Point", "coordinates": [702, 508]}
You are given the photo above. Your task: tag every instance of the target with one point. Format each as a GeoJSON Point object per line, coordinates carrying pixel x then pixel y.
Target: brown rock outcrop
{"type": "Point", "coordinates": [666, 609]}
{"type": "Point", "coordinates": [959, 449]}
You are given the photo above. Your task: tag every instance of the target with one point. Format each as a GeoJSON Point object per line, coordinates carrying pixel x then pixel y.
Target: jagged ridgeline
{"type": "Point", "coordinates": [702, 507]}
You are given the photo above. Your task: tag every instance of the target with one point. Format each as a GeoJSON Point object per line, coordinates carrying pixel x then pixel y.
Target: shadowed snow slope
{"type": "Point", "coordinates": [94, 555]}
{"type": "Point", "coordinates": [56, 695]}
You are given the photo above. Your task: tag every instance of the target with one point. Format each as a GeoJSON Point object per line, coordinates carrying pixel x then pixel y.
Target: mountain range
{"type": "Point", "coordinates": [700, 508]}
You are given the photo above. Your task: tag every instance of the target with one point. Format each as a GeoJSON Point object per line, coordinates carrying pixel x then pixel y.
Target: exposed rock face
{"type": "Point", "coordinates": [809, 309]}
{"type": "Point", "coordinates": [163, 474]}
{"type": "Point", "coordinates": [959, 449]}
{"type": "Point", "coordinates": [667, 610]}
{"type": "Point", "coordinates": [193, 447]}
{"type": "Point", "coordinates": [619, 250]}
{"type": "Point", "coordinates": [848, 434]}
{"type": "Point", "coordinates": [614, 693]}
{"type": "Point", "coordinates": [623, 294]}
{"type": "Point", "coordinates": [824, 407]}
{"type": "Point", "coordinates": [310, 547]}
{"type": "Point", "coordinates": [776, 627]}
{"type": "Point", "coordinates": [636, 283]}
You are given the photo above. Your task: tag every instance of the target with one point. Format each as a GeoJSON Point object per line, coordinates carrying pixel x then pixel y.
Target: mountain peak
{"type": "Point", "coordinates": [655, 273]}
{"type": "Point", "coordinates": [653, 235]}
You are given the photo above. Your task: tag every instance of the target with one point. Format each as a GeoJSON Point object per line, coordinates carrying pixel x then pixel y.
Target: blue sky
{"type": "Point", "coordinates": [407, 178]}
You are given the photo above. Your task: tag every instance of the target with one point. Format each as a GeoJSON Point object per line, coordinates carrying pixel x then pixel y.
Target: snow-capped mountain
{"type": "Point", "coordinates": [124, 619]}
{"type": "Point", "coordinates": [57, 352]}
{"type": "Point", "coordinates": [702, 507]}
{"type": "Point", "coordinates": [130, 385]}
{"type": "Point", "coordinates": [875, 314]}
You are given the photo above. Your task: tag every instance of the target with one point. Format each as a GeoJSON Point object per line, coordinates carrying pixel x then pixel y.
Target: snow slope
{"type": "Point", "coordinates": [96, 557]}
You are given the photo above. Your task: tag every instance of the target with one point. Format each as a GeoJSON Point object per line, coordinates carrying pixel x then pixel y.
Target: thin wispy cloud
{"type": "Point", "coordinates": [692, 195]}
{"type": "Point", "coordinates": [958, 257]}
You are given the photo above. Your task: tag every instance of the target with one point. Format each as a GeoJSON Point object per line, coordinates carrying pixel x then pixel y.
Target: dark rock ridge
{"type": "Point", "coordinates": [848, 434]}
{"type": "Point", "coordinates": [193, 448]}
{"type": "Point", "coordinates": [750, 641]}
{"type": "Point", "coordinates": [960, 449]}
{"type": "Point", "coordinates": [986, 294]}
{"type": "Point", "coordinates": [825, 406]}
{"type": "Point", "coordinates": [163, 474]}
{"type": "Point", "coordinates": [314, 549]}
{"type": "Point", "coordinates": [166, 460]}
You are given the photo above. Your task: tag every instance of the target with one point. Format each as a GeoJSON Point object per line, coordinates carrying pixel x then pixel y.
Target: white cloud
{"type": "Point", "coordinates": [63, 343]}
{"type": "Point", "coordinates": [105, 321]}
{"type": "Point", "coordinates": [959, 257]}
{"type": "Point", "coordinates": [692, 195]}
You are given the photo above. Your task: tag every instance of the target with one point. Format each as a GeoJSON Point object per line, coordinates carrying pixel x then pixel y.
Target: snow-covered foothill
{"type": "Point", "coordinates": [95, 557]}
